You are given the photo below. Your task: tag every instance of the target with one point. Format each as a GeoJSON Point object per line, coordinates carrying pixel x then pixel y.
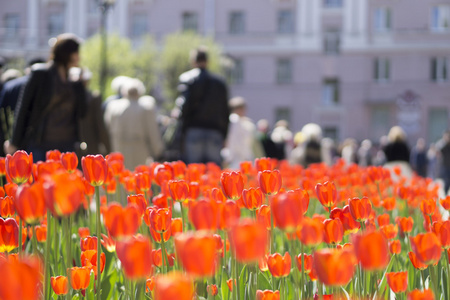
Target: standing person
{"type": "Point", "coordinates": [132, 126]}
{"type": "Point", "coordinates": [2, 64]}
{"type": "Point", "coordinates": [50, 105]}
{"type": "Point", "coordinates": [242, 143]}
{"type": "Point", "coordinates": [94, 136]}
{"type": "Point", "coordinates": [419, 159]}
{"type": "Point", "coordinates": [204, 111]}
{"type": "Point", "coordinates": [397, 148]}
{"type": "Point", "coordinates": [444, 147]}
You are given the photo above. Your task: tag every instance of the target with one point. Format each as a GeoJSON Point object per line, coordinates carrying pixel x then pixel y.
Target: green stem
{"type": "Point", "coordinates": [68, 254]}
{"type": "Point", "coordinates": [182, 215]}
{"type": "Point", "coordinates": [20, 237]}
{"type": "Point", "coordinates": [56, 246]}
{"type": "Point", "coordinates": [34, 240]}
{"type": "Point", "coordinates": [47, 256]}
{"type": "Point", "coordinates": [448, 274]}
{"type": "Point", "coordinates": [225, 264]}
{"type": "Point", "coordinates": [163, 253]}
{"type": "Point", "coordinates": [422, 273]}
{"type": "Point", "coordinates": [434, 281]}
{"type": "Point", "coordinates": [99, 238]}
{"type": "Point", "coordinates": [320, 290]}
{"type": "Point", "coordinates": [294, 257]}
{"type": "Point", "coordinates": [282, 289]}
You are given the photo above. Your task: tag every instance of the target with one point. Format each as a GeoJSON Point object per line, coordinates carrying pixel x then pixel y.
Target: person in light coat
{"type": "Point", "coordinates": [133, 127]}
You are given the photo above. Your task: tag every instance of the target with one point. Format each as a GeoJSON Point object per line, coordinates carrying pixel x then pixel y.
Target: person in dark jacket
{"type": "Point", "coordinates": [204, 113]}
{"type": "Point", "coordinates": [50, 105]}
{"type": "Point", "coordinates": [397, 148]}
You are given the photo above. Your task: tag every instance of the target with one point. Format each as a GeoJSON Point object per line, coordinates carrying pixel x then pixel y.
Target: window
{"type": "Point", "coordinates": [283, 113]}
{"type": "Point", "coordinates": [11, 25]}
{"type": "Point", "coordinates": [383, 19]}
{"type": "Point", "coordinates": [237, 22]}
{"type": "Point", "coordinates": [437, 123]}
{"type": "Point", "coordinates": [439, 69]}
{"type": "Point", "coordinates": [330, 92]}
{"type": "Point", "coordinates": [55, 24]}
{"type": "Point", "coordinates": [440, 18]}
{"type": "Point", "coordinates": [190, 21]}
{"type": "Point", "coordinates": [237, 71]}
{"type": "Point", "coordinates": [284, 71]}
{"type": "Point", "coordinates": [285, 21]}
{"type": "Point", "coordinates": [139, 25]}
{"type": "Point", "coordinates": [332, 3]}
{"type": "Point", "coordinates": [380, 121]}
{"type": "Point", "coordinates": [382, 70]}
{"type": "Point", "coordinates": [331, 132]}
{"type": "Point", "coordinates": [331, 42]}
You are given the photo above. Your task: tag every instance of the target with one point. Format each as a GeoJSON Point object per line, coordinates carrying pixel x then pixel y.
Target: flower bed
{"type": "Point", "coordinates": [171, 231]}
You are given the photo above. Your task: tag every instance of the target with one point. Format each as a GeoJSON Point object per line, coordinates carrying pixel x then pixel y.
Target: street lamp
{"type": "Point", "coordinates": [104, 6]}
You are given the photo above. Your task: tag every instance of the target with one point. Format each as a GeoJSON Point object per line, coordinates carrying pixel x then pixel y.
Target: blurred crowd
{"type": "Point", "coordinates": [50, 106]}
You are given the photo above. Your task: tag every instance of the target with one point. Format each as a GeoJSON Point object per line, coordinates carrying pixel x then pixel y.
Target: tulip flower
{"type": "Point", "coordinates": [53, 155]}
{"type": "Point", "coordinates": [389, 231]}
{"type": "Point", "coordinates": [232, 184]}
{"type": "Point", "coordinates": [197, 253]}
{"type": "Point", "coordinates": [69, 161]}
{"type": "Point", "coordinates": [253, 198]}
{"type": "Point", "coordinates": [19, 166]}
{"type": "Point", "coordinates": [269, 181]}
{"type": "Point", "coordinates": [9, 235]}
{"type": "Point", "coordinates": [135, 254]}
{"type": "Point", "coordinates": [383, 220]}
{"type": "Point", "coordinates": [174, 286]}
{"type": "Point", "coordinates": [371, 249]}
{"type": "Point", "coordinates": [89, 259]}
{"type": "Point", "coordinates": [311, 232]}
{"type": "Point", "coordinates": [162, 173]}
{"type": "Point", "coordinates": [161, 219]}
{"type": "Point", "coordinates": [428, 206]}
{"type": "Point", "coordinates": [2, 166]}
{"type": "Point", "coordinates": [64, 193]}
{"type": "Point", "coordinates": [79, 277]}
{"type": "Point", "coordinates": [445, 203]}
{"type": "Point", "coordinates": [405, 224]}
{"type": "Point", "coordinates": [212, 290]}
{"type": "Point", "coordinates": [179, 190]}
{"type": "Point", "coordinates": [333, 231]}
{"type": "Point", "coordinates": [263, 216]}
{"type": "Point", "coordinates": [7, 208]}
{"type": "Point", "coordinates": [122, 222]}
{"type": "Point", "coordinates": [30, 203]}
{"type": "Point", "coordinates": [421, 295]}
{"type": "Point", "coordinates": [308, 262]}
{"type": "Point", "coordinates": [287, 211]}
{"type": "Point", "coordinates": [143, 181]}
{"type": "Point", "coordinates": [21, 279]}
{"type": "Point", "coordinates": [48, 168]}
{"type": "Point", "coordinates": [60, 285]}
{"type": "Point", "coordinates": [427, 247]}
{"type": "Point", "coordinates": [267, 295]}
{"type": "Point", "coordinates": [88, 243]}
{"type": "Point", "coordinates": [139, 201]}
{"type": "Point", "coordinates": [263, 163]}
{"type": "Point", "coordinates": [279, 266]}
{"type": "Point", "coordinates": [41, 233]}
{"type": "Point", "coordinates": [150, 284]}
{"type": "Point", "coordinates": [248, 241]}
{"type": "Point", "coordinates": [442, 231]}
{"type": "Point", "coordinates": [416, 262]}
{"type": "Point", "coordinates": [350, 225]}
{"type": "Point", "coordinates": [334, 267]}
{"type": "Point", "coordinates": [217, 195]}
{"type": "Point", "coordinates": [108, 243]}
{"type": "Point", "coordinates": [157, 236]}
{"type": "Point", "coordinates": [395, 247]}
{"type": "Point", "coordinates": [176, 226]}
{"type": "Point", "coordinates": [203, 214]}
{"type": "Point", "coordinates": [95, 169]}
{"type": "Point", "coordinates": [397, 281]}
{"type": "Point", "coordinates": [83, 232]}
{"type": "Point", "coordinates": [327, 194]}
{"type": "Point", "coordinates": [360, 209]}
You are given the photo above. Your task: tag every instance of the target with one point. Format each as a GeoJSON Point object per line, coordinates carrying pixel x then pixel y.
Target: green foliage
{"type": "Point", "coordinates": [122, 59]}
{"type": "Point", "coordinates": [175, 58]}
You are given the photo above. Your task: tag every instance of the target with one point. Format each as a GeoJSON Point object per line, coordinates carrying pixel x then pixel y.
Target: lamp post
{"type": "Point", "coordinates": [105, 6]}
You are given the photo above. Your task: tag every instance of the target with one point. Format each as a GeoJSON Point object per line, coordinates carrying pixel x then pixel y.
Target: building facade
{"type": "Point", "coordinates": [356, 67]}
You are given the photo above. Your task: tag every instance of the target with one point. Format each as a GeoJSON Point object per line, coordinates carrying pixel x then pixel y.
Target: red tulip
{"type": "Point", "coordinates": [263, 216]}
{"type": "Point", "coordinates": [95, 169]}
{"type": "Point", "coordinates": [88, 243]}
{"type": "Point", "coordinates": [311, 232]}
{"type": "Point", "coordinates": [7, 207]}
{"type": "Point", "coordinates": [334, 267]}
{"type": "Point", "coordinates": [287, 211]}
{"type": "Point", "coordinates": [333, 231]}
{"type": "Point", "coordinates": [327, 194]}
{"type": "Point", "coordinates": [253, 198]}
{"type": "Point", "coordinates": [269, 181]}
{"type": "Point", "coordinates": [108, 243]}
{"type": "Point", "coordinates": [442, 231]}
{"type": "Point", "coordinates": [54, 155]}
{"type": "Point", "coordinates": [9, 235]}
{"type": "Point", "coordinates": [416, 262]}
{"type": "Point", "coordinates": [174, 286]}
{"type": "Point", "coordinates": [60, 285]}
{"type": "Point", "coordinates": [350, 225]}
{"type": "Point", "coordinates": [232, 184]}
{"type": "Point", "coordinates": [161, 219]}
{"type": "Point", "coordinates": [371, 250]}
{"type": "Point", "coordinates": [143, 181]}
{"type": "Point", "coordinates": [395, 247]}
{"type": "Point", "coordinates": [69, 161]}
{"type": "Point", "coordinates": [405, 224]}
{"type": "Point", "coordinates": [30, 203]}
{"type": "Point", "coordinates": [19, 166]}
{"type": "Point", "coordinates": [179, 190]}
{"type": "Point", "coordinates": [64, 193]}
{"type": "Point", "coordinates": [197, 253]}
{"type": "Point", "coordinates": [122, 222]}
{"type": "Point", "coordinates": [426, 247]}
{"type": "Point", "coordinates": [398, 282]}
{"type": "Point", "coordinates": [248, 241]}
{"type": "Point", "coordinates": [421, 295]}
{"type": "Point", "coordinates": [308, 259]}
{"type": "Point", "coordinates": [89, 259]}
{"type": "Point", "coordinates": [79, 277]}
{"type": "Point", "coordinates": [360, 209]}
{"type": "Point", "coordinates": [135, 254]}
{"type": "Point", "coordinates": [139, 201]}
{"type": "Point", "coordinates": [267, 295]}
{"type": "Point", "coordinates": [203, 215]}
{"type": "Point", "coordinates": [21, 279]}
{"type": "Point", "coordinates": [279, 266]}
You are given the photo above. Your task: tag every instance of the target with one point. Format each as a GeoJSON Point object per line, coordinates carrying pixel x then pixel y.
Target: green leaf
{"type": "Point", "coordinates": [224, 288]}
{"type": "Point", "coordinates": [243, 281]}
{"type": "Point", "coordinates": [382, 287]}
{"type": "Point", "coordinates": [263, 281]}
{"type": "Point", "coordinates": [107, 284]}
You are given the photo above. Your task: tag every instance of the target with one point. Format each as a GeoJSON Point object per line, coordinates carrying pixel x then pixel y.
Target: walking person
{"type": "Point", "coordinates": [204, 111]}
{"type": "Point", "coordinates": [50, 105]}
